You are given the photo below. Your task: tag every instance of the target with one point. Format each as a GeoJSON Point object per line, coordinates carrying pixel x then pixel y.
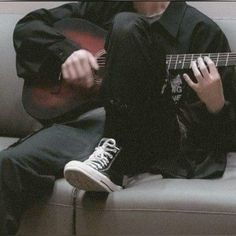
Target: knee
{"type": "Point", "coordinates": [127, 23]}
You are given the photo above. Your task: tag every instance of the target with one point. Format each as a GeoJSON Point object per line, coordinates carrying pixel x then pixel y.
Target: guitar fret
{"type": "Point", "coordinates": [183, 61]}
{"type": "Point", "coordinates": [188, 59]}
{"type": "Point", "coordinates": [180, 61]}
{"type": "Point", "coordinates": [217, 59]}
{"type": "Point", "coordinates": [176, 61]}
{"type": "Point", "coordinates": [173, 62]}
{"type": "Point", "coordinates": [169, 62]}
{"type": "Point", "coordinates": [210, 56]}
{"type": "Point", "coordinates": [227, 59]}
{"type": "Point", "coordinates": [191, 61]}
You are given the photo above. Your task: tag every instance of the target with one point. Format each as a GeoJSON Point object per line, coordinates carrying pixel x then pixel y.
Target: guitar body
{"type": "Point", "coordinates": [51, 101]}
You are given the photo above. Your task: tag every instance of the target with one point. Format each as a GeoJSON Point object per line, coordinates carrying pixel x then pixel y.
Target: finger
{"type": "Point", "coordinates": [203, 69]}
{"type": "Point", "coordinates": [78, 66]}
{"type": "Point", "coordinates": [72, 70]}
{"type": "Point", "coordinates": [88, 74]}
{"type": "Point", "coordinates": [64, 70]}
{"type": "Point", "coordinates": [211, 65]}
{"type": "Point", "coordinates": [189, 81]}
{"type": "Point", "coordinates": [93, 61]}
{"type": "Point", "coordinates": [86, 67]}
{"type": "Point", "coordinates": [196, 71]}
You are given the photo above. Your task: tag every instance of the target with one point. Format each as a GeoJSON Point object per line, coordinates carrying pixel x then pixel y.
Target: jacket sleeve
{"type": "Point", "coordinates": [221, 127]}
{"type": "Point", "coordinates": [40, 48]}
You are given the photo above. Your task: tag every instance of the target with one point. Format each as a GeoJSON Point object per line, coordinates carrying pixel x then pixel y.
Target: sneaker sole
{"type": "Point", "coordinates": [86, 178]}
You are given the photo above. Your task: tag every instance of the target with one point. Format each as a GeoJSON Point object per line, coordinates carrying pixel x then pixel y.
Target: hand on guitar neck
{"type": "Point", "coordinates": [78, 69]}
{"type": "Point", "coordinates": [209, 86]}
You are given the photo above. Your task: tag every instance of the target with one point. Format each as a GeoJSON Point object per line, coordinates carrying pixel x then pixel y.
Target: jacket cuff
{"type": "Point", "coordinates": [63, 50]}
{"type": "Point", "coordinates": [58, 53]}
{"type": "Point", "coordinates": [227, 113]}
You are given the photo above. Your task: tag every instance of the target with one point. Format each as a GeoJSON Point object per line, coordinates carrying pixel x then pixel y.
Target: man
{"type": "Point", "coordinates": [189, 139]}
{"type": "Point", "coordinates": [40, 159]}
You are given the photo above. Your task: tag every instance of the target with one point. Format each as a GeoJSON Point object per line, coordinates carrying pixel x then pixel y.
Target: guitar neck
{"type": "Point", "coordinates": [183, 61]}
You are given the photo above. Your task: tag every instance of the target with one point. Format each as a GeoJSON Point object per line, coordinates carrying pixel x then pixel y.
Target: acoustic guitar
{"type": "Point", "coordinates": [48, 101]}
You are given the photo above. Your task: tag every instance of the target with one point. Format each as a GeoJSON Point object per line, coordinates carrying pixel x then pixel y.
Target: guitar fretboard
{"type": "Point", "coordinates": [183, 61]}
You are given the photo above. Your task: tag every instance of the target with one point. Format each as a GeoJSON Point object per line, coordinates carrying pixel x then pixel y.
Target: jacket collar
{"type": "Point", "coordinates": [172, 17]}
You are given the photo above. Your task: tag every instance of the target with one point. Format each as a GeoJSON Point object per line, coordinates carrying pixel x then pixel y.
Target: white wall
{"type": "Point", "coordinates": [213, 9]}
{"type": "Point", "coordinates": [25, 7]}
{"type": "Point", "coordinates": [217, 9]}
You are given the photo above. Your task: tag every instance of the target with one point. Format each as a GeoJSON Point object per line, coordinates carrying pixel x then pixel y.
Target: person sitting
{"type": "Point", "coordinates": [150, 128]}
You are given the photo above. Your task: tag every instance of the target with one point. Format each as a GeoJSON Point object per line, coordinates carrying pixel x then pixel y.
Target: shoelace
{"type": "Point", "coordinates": [103, 154]}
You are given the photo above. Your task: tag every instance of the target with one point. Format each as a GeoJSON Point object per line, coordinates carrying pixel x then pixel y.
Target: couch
{"type": "Point", "coordinates": [149, 205]}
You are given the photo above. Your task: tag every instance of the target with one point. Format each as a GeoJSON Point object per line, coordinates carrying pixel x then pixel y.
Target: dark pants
{"type": "Point", "coordinates": [139, 117]}
{"type": "Point", "coordinates": [28, 169]}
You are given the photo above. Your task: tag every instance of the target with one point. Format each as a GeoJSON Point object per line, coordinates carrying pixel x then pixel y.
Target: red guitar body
{"type": "Point", "coordinates": [55, 101]}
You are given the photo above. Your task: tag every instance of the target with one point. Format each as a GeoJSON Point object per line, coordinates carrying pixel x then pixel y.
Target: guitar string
{"type": "Point", "coordinates": [212, 54]}
{"type": "Point", "coordinates": [186, 61]}
{"type": "Point", "coordinates": [232, 60]}
{"type": "Point", "coordinates": [189, 62]}
{"type": "Point", "coordinates": [229, 58]}
{"type": "Point", "coordinates": [198, 55]}
{"type": "Point", "coordinates": [190, 55]}
{"type": "Point", "coordinates": [205, 53]}
{"type": "Point", "coordinates": [214, 59]}
{"type": "Point", "coordinates": [234, 57]}
{"type": "Point", "coordinates": [189, 59]}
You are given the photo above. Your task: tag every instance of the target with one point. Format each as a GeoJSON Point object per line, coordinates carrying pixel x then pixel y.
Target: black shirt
{"type": "Point", "coordinates": [181, 29]}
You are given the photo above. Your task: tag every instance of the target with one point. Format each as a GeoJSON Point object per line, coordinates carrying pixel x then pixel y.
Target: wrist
{"type": "Point", "coordinates": [216, 108]}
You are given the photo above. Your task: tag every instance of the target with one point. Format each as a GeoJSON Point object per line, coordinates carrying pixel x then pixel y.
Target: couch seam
{"type": "Point", "coordinates": [223, 18]}
{"type": "Point", "coordinates": [74, 215]}
{"type": "Point", "coordinates": [59, 204]}
{"type": "Point", "coordinates": [164, 210]}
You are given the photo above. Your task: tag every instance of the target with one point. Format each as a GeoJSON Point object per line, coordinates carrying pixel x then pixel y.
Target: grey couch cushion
{"type": "Point", "coordinates": [5, 142]}
{"type": "Point", "coordinates": [151, 205]}
{"type": "Point", "coordinates": [55, 217]}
